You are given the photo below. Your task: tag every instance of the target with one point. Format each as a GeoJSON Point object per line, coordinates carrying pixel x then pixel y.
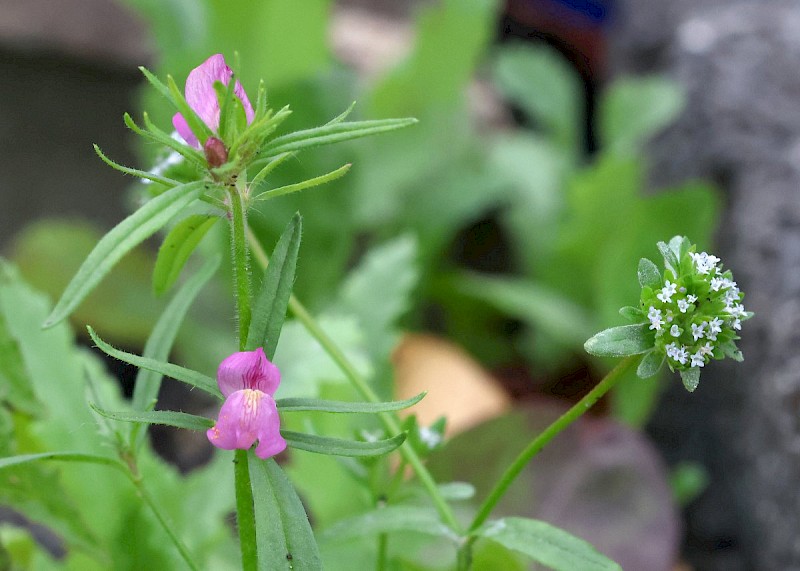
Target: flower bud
{"type": "Point", "coordinates": [216, 153]}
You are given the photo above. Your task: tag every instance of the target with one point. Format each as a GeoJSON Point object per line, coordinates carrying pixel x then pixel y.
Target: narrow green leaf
{"type": "Point", "coordinates": [283, 534]}
{"type": "Point", "coordinates": [176, 372]}
{"type": "Point", "coordinates": [159, 344]}
{"type": "Point", "coordinates": [64, 457]}
{"type": "Point", "coordinates": [310, 183]}
{"type": "Point", "coordinates": [669, 257]}
{"type": "Point", "coordinates": [155, 82]}
{"type": "Point", "coordinates": [691, 378]}
{"type": "Point", "coordinates": [339, 118]}
{"type": "Point", "coordinates": [157, 135]}
{"type": "Point", "coordinates": [339, 446]}
{"type": "Point", "coordinates": [302, 404]}
{"type": "Point", "coordinates": [227, 115]}
{"type": "Point", "coordinates": [119, 241]}
{"type": "Point", "coordinates": [268, 168]}
{"type": "Point", "coordinates": [648, 273]}
{"type": "Point", "coordinates": [168, 182]}
{"type": "Point", "coordinates": [177, 247]}
{"type": "Point", "coordinates": [621, 341]}
{"type": "Point", "coordinates": [165, 417]}
{"type": "Point", "coordinates": [269, 309]}
{"type": "Point", "coordinates": [335, 133]}
{"type": "Point", "coordinates": [390, 519]}
{"type": "Point", "coordinates": [547, 544]}
{"type": "Point", "coordinates": [650, 364]}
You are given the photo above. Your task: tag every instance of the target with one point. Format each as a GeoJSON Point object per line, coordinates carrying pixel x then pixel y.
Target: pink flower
{"type": "Point", "coordinates": [248, 381]}
{"type": "Point", "coordinates": [202, 97]}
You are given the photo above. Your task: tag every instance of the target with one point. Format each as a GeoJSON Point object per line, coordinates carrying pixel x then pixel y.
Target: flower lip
{"type": "Point", "coordinates": [248, 416]}
{"type": "Point", "coordinates": [202, 97]}
{"type": "Point", "coordinates": [248, 370]}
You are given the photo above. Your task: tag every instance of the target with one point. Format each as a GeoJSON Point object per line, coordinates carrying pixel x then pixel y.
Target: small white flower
{"type": "Point", "coordinates": [654, 315]}
{"type": "Point", "coordinates": [691, 298]}
{"type": "Point", "coordinates": [667, 292]}
{"type": "Point", "coordinates": [682, 289]}
{"type": "Point", "coordinates": [698, 360]}
{"type": "Point", "coordinates": [683, 305]}
{"type": "Point", "coordinates": [681, 355]}
{"type": "Point", "coordinates": [719, 283]}
{"type": "Point", "coordinates": [704, 262]}
{"type": "Point", "coordinates": [675, 331]}
{"type": "Point", "coordinates": [706, 349]}
{"type": "Point", "coordinates": [429, 437]}
{"type": "Point", "coordinates": [715, 326]}
{"type": "Point", "coordinates": [737, 324]}
{"type": "Point", "coordinates": [697, 330]}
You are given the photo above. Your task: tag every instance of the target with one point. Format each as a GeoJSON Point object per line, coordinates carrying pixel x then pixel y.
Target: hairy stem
{"type": "Point", "coordinates": [389, 421]}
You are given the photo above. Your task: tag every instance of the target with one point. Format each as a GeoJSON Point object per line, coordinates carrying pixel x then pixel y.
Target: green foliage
{"type": "Point", "coordinates": [177, 247]}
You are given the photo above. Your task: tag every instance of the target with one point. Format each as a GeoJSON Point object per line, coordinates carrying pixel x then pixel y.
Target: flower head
{"type": "Point", "coordinates": [203, 99]}
{"type": "Point", "coordinates": [248, 380]}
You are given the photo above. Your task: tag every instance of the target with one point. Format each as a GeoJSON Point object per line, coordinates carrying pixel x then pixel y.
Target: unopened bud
{"type": "Point", "coordinates": [216, 153]}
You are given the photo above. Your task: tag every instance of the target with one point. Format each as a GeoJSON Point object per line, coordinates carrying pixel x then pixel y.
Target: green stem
{"type": "Point", "coordinates": [245, 513]}
{"type": "Point", "coordinates": [162, 518]}
{"type": "Point", "coordinates": [389, 421]}
{"type": "Point", "coordinates": [536, 445]}
{"type": "Point", "coordinates": [241, 275]}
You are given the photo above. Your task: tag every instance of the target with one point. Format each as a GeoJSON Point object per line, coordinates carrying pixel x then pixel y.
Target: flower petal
{"type": "Point", "coordinates": [248, 370]}
{"type": "Point", "coordinates": [182, 127]}
{"type": "Point", "coordinates": [202, 97]}
{"type": "Point", "coordinates": [248, 416]}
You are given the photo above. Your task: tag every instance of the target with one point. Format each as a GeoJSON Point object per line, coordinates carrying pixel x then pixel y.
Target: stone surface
{"type": "Point", "coordinates": [742, 130]}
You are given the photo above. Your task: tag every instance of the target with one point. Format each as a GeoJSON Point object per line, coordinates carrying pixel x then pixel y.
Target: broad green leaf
{"type": "Point", "coordinates": [15, 387]}
{"type": "Point", "coordinates": [177, 247]}
{"type": "Point", "coordinates": [80, 457]}
{"type": "Point", "coordinates": [300, 404]}
{"type": "Point", "coordinates": [283, 533]}
{"type": "Point", "coordinates": [332, 133]}
{"type": "Point", "coordinates": [670, 260]}
{"type": "Point", "coordinates": [650, 365]}
{"type": "Point", "coordinates": [340, 446]}
{"type": "Point", "coordinates": [387, 520]}
{"type": "Point", "coordinates": [543, 309]}
{"type": "Point", "coordinates": [547, 88]}
{"type": "Point", "coordinates": [634, 109]}
{"type": "Point", "coordinates": [176, 372]}
{"type": "Point", "coordinates": [631, 313]}
{"type": "Point", "coordinates": [165, 417]}
{"type": "Point", "coordinates": [269, 309]}
{"type": "Point", "coordinates": [119, 241]}
{"type": "Point", "coordinates": [159, 344]}
{"type": "Point", "coordinates": [648, 274]}
{"type": "Point", "coordinates": [620, 341]}
{"type": "Point", "coordinates": [690, 378]}
{"type": "Point", "coordinates": [547, 545]}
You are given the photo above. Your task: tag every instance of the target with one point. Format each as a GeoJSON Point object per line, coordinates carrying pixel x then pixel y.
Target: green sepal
{"type": "Point", "coordinates": [123, 238]}
{"type": "Point", "coordinates": [228, 109]}
{"type": "Point", "coordinates": [648, 274]}
{"type": "Point", "coordinates": [188, 376]}
{"type": "Point", "coordinates": [546, 544]}
{"type": "Point", "coordinates": [690, 378]}
{"type": "Point", "coordinates": [163, 417]}
{"type": "Point", "coordinates": [340, 446]}
{"type": "Point", "coordinates": [650, 364]}
{"type": "Point", "coordinates": [304, 404]}
{"type": "Point", "coordinates": [631, 313]}
{"type": "Point", "coordinates": [269, 309]}
{"type": "Point", "coordinates": [621, 341]}
{"type": "Point", "coordinates": [159, 136]}
{"type": "Point", "coordinates": [332, 133]}
{"type": "Point", "coordinates": [177, 247]}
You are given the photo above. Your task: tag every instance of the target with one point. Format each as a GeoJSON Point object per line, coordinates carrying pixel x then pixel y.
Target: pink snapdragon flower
{"type": "Point", "coordinates": [248, 381]}
{"type": "Point", "coordinates": [202, 97]}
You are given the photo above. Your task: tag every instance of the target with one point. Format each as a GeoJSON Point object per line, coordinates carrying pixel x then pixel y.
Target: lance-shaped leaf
{"type": "Point", "coordinates": [159, 344]}
{"type": "Point", "coordinates": [164, 417]}
{"type": "Point", "coordinates": [621, 341]}
{"type": "Point", "coordinates": [339, 446]}
{"type": "Point", "coordinates": [310, 183]}
{"type": "Point", "coordinates": [177, 247]}
{"type": "Point", "coordinates": [670, 259]}
{"type": "Point", "coordinates": [547, 544]}
{"type": "Point", "coordinates": [631, 313]}
{"type": "Point", "coordinates": [298, 404]}
{"type": "Point", "coordinates": [648, 273]}
{"type": "Point", "coordinates": [81, 457]}
{"type": "Point", "coordinates": [176, 372]}
{"type": "Point", "coordinates": [388, 520]}
{"type": "Point", "coordinates": [650, 364]}
{"type": "Point", "coordinates": [690, 378]}
{"type": "Point", "coordinates": [269, 309]}
{"type": "Point", "coordinates": [119, 241]}
{"type": "Point", "coordinates": [284, 537]}
{"type": "Point", "coordinates": [332, 133]}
